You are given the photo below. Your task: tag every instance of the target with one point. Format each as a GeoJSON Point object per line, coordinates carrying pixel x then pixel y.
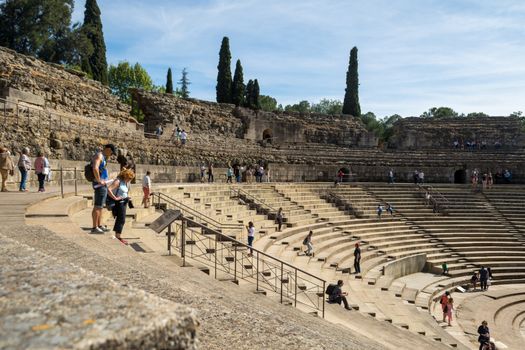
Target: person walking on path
{"type": "Point", "coordinates": [280, 218]}
{"type": "Point", "coordinates": [357, 259]}
{"type": "Point", "coordinates": [6, 166]}
{"type": "Point", "coordinates": [379, 211]}
{"type": "Point", "coordinates": [229, 175]}
{"type": "Point", "coordinates": [118, 191]}
{"type": "Point", "coordinates": [251, 236]}
{"type": "Point", "coordinates": [444, 302]}
{"type": "Point", "coordinates": [390, 209]}
{"type": "Point", "coordinates": [308, 243]}
{"type": "Point", "coordinates": [338, 296]}
{"type": "Point", "coordinates": [41, 170]}
{"type": "Point", "coordinates": [146, 188]}
{"type": "Point", "coordinates": [449, 308]}
{"type": "Point", "coordinates": [24, 165]}
{"type": "Point", "coordinates": [483, 278]}
{"type": "Point", "coordinates": [210, 172]}
{"type": "Point", "coordinates": [203, 173]}
{"type": "Point", "coordinates": [391, 177]}
{"type": "Point", "coordinates": [101, 176]}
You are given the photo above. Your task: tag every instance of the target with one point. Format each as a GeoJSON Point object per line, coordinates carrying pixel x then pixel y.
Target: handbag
{"type": "Point", "coordinates": [45, 171]}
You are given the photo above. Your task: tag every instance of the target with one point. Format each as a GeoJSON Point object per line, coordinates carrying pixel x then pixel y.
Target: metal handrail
{"type": "Point", "coordinates": [190, 211]}
{"type": "Point", "coordinates": [253, 198]}
{"type": "Point", "coordinates": [256, 258]}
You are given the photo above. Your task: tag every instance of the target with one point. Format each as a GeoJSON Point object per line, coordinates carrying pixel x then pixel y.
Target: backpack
{"type": "Point", "coordinates": [88, 172]}
{"type": "Point", "coordinates": [330, 289]}
{"type": "Point", "coordinates": [305, 241]}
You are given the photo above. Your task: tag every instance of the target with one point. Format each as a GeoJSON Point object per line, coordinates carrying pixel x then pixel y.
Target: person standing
{"type": "Point", "coordinates": [449, 308]}
{"type": "Point", "coordinates": [421, 176]}
{"type": "Point", "coordinates": [379, 211]}
{"type": "Point", "coordinates": [101, 176]}
{"type": "Point", "coordinates": [118, 191]}
{"type": "Point", "coordinates": [24, 165]}
{"type": "Point", "coordinates": [183, 137]}
{"type": "Point", "coordinates": [203, 173]}
{"type": "Point", "coordinates": [251, 236]}
{"type": "Point", "coordinates": [6, 166]}
{"type": "Point", "coordinates": [279, 217]}
{"type": "Point", "coordinates": [41, 170]}
{"type": "Point", "coordinates": [444, 302]}
{"type": "Point", "coordinates": [308, 243]}
{"type": "Point", "coordinates": [483, 278]}
{"type": "Point", "coordinates": [210, 172]}
{"type": "Point", "coordinates": [390, 209]}
{"type": "Point", "coordinates": [391, 176]}
{"type": "Point", "coordinates": [229, 174]}
{"type": "Point", "coordinates": [357, 258]}
{"type": "Point", "coordinates": [484, 335]}
{"type": "Point", "coordinates": [146, 188]}
{"type": "Point", "coordinates": [444, 269]}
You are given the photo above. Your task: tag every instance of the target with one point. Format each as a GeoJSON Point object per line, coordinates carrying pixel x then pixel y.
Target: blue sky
{"type": "Point", "coordinates": [413, 54]}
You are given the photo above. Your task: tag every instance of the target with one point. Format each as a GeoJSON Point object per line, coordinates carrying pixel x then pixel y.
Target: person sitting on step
{"type": "Point", "coordinates": [338, 296]}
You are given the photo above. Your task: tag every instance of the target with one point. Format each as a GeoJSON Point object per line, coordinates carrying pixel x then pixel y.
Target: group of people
{"type": "Point", "coordinates": [113, 194]}
{"type": "Point", "coordinates": [40, 165]}
{"type": "Point", "coordinates": [418, 177]}
{"type": "Point", "coordinates": [179, 136]}
{"type": "Point", "coordinates": [389, 209]}
{"type": "Point", "coordinates": [483, 276]}
{"type": "Point", "coordinates": [474, 145]}
{"type": "Point", "coordinates": [237, 172]}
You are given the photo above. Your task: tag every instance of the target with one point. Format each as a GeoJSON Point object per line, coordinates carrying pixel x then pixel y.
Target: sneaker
{"type": "Point", "coordinates": [96, 230]}
{"type": "Point", "coordinates": [123, 241]}
{"type": "Point", "coordinates": [103, 228]}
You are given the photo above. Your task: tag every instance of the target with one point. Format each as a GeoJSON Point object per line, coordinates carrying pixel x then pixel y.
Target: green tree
{"type": "Point", "coordinates": [125, 76]}
{"type": "Point", "coordinates": [248, 95]}
{"type": "Point", "coordinates": [224, 75]}
{"type": "Point", "coordinates": [40, 28]}
{"type": "Point", "coordinates": [327, 106]}
{"type": "Point", "coordinates": [268, 103]}
{"type": "Point", "coordinates": [93, 30]}
{"type": "Point", "coordinates": [255, 95]}
{"type": "Point", "coordinates": [351, 102]}
{"type": "Point", "coordinates": [441, 112]}
{"type": "Point", "coordinates": [184, 83]}
{"type": "Point", "coordinates": [301, 107]}
{"type": "Point", "coordinates": [169, 82]}
{"type": "Point", "coordinates": [238, 88]}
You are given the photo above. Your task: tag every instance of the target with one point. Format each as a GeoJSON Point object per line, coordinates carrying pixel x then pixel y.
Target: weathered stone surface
{"type": "Point", "coordinates": [58, 89]}
{"type": "Point", "coordinates": [46, 303]}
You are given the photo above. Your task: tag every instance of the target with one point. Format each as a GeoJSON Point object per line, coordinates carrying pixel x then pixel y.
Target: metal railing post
{"type": "Point", "coordinates": [169, 239]}
{"type": "Point", "coordinates": [295, 296]}
{"type": "Point", "coordinates": [235, 262]}
{"type": "Point", "coordinates": [183, 243]}
{"type": "Point", "coordinates": [76, 185]}
{"type": "Point", "coordinates": [215, 254]}
{"type": "Point", "coordinates": [282, 277]}
{"type": "Point", "coordinates": [62, 181]}
{"type": "Point", "coordinates": [257, 273]}
{"type": "Point", "coordinates": [324, 301]}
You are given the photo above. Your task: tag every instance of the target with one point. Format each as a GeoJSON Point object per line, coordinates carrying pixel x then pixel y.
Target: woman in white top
{"type": "Point", "coordinates": [251, 236]}
{"type": "Point", "coordinates": [24, 165]}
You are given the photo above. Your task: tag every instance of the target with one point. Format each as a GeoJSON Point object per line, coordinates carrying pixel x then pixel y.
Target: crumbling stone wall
{"type": "Point", "coordinates": [52, 87]}
{"type": "Point", "coordinates": [412, 133]}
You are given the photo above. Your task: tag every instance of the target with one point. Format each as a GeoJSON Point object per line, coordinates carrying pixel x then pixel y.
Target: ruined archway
{"type": "Point", "coordinates": [267, 135]}
{"type": "Point", "coordinates": [460, 176]}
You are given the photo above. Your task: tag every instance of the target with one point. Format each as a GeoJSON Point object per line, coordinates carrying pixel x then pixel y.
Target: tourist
{"type": "Point", "coordinates": [183, 137]}
{"type": "Point", "coordinates": [415, 177]}
{"type": "Point", "coordinates": [146, 189]}
{"type": "Point", "coordinates": [41, 170]}
{"type": "Point", "coordinates": [421, 177]}
{"type": "Point", "coordinates": [379, 211]}
{"type": "Point", "coordinates": [428, 198]}
{"type": "Point", "coordinates": [357, 259]}
{"type": "Point", "coordinates": [210, 172]}
{"type": "Point", "coordinates": [237, 173]}
{"type": "Point", "coordinates": [308, 243]}
{"type": "Point", "coordinates": [229, 174]}
{"type": "Point", "coordinates": [6, 167]}
{"type": "Point", "coordinates": [490, 180]}
{"type": "Point", "coordinates": [489, 281]}
{"type": "Point", "coordinates": [390, 209]}
{"type": "Point", "coordinates": [261, 173]}
{"type": "Point", "coordinates": [483, 278]}
{"type": "Point", "coordinates": [484, 179]}
{"type": "Point", "coordinates": [340, 175]}
{"type": "Point", "coordinates": [101, 176]}
{"type": "Point", "coordinates": [444, 268]}
{"type": "Point", "coordinates": [280, 218]}
{"type": "Point", "coordinates": [449, 308]}
{"type": "Point", "coordinates": [338, 296]}
{"type": "Point", "coordinates": [507, 176]}
{"type": "Point", "coordinates": [391, 176]}
{"type": "Point", "coordinates": [118, 191]}
{"type": "Point", "coordinates": [474, 280]}
{"type": "Point", "coordinates": [251, 236]}
{"type": "Point", "coordinates": [456, 144]}
{"type": "Point", "coordinates": [484, 335]}
{"type": "Point", "coordinates": [159, 131]}
{"type": "Point", "coordinates": [203, 173]}
{"type": "Point", "coordinates": [24, 165]}
{"type": "Point", "coordinates": [444, 302]}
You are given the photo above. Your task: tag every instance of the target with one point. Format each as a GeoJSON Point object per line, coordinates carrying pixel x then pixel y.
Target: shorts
{"type": "Point", "coordinates": [99, 199]}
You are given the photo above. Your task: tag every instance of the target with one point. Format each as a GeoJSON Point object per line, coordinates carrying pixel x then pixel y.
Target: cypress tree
{"type": "Point", "coordinates": [224, 76]}
{"type": "Point", "coordinates": [238, 88]}
{"type": "Point", "coordinates": [169, 82]}
{"type": "Point", "coordinates": [351, 102]}
{"type": "Point", "coordinates": [93, 29]}
{"type": "Point", "coordinates": [249, 94]}
{"type": "Point", "coordinates": [255, 95]}
{"type": "Point", "coordinates": [184, 83]}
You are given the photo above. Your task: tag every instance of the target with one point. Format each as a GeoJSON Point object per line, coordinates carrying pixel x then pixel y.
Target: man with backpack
{"type": "Point", "coordinates": [99, 176]}
{"type": "Point", "coordinates": [336, 295]}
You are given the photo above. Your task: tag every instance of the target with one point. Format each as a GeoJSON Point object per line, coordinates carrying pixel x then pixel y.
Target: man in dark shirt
{"type": "Point", "coordinates": [357, 259]}
{"type": "Point", "coordinates": [339, 296]}
{"type": "Point", "coordinates": [483, 277]}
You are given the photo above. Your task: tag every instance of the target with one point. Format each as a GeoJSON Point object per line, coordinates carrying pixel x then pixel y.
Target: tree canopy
{"type": "Point", "coordinates": [92, 28]}
{"type": "Point", "coordinates": [440, 112]}
{"type": "Point", "coordinates": [224, 75]}
{"type": "Point", "coordinates": [238, 88]}
{"type": "Point", "coordinates": [351, 101]}
{"type": "Point", "coordinates": [184, 83]}
{"type": "Point", "coordinates": [169, 82]}
{"type": "Point", "coordinates": [268, 103]}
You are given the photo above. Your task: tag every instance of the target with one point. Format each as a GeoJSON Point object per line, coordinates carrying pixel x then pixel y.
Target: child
{"type": "Point", "coordinates": [449, 309]}
{"type": "Point", "coordinates": [251, 236]}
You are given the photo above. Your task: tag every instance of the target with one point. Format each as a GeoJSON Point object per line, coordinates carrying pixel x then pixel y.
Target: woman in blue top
{"type": "Point", "coordinates": [118, 192]}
